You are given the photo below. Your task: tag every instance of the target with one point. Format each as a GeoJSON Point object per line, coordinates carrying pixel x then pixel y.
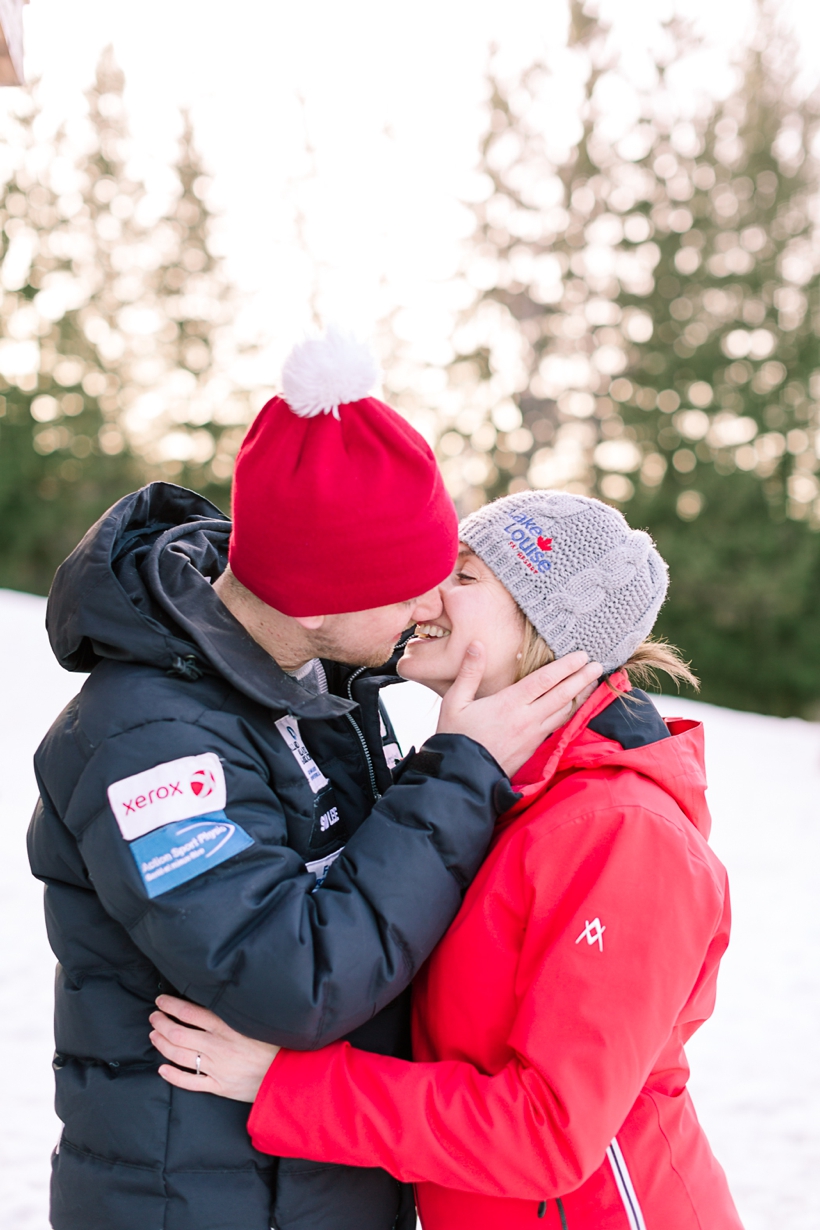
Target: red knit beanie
{"type": "Point", "coordinates": [338, 504]}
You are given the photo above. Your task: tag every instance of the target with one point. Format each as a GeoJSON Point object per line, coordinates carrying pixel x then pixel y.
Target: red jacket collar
{"type": "Point", "coordinates": [675, 764]}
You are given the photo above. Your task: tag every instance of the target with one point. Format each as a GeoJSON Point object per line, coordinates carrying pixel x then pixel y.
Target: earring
{"type": "Point", "coordinates": [518, 657]}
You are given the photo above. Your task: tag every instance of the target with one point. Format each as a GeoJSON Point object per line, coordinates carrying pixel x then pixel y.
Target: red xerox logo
{"type": "Point", "coordinates": [203, 783]}
{"type": "Point", "coordinates": [157, 795]}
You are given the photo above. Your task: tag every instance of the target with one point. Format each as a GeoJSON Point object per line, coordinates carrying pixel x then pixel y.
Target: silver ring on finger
{"type": "Point", "coordinates": [198, 1065]}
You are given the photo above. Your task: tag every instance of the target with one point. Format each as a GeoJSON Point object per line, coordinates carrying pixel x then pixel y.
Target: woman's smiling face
{"type": "Point", "coordinates": [476, 607]}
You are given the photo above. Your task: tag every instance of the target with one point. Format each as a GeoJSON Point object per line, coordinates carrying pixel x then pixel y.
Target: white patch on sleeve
{"type": "Point", "coordinates": [392, 754]}
{"type": "Point", "coordinates": [288, 728]}
{"type": "Point", "coordinates": [175, 790]}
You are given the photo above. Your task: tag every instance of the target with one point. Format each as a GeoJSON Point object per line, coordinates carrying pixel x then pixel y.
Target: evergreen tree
{"type": "Point", "coordinates": [61, 461]}
{"type": "Point", "coordinates": [115, 341]}
{"type": "Point", "coordinates": [192, 416]}
{"type": "Point", "coordinates": [644, 329]}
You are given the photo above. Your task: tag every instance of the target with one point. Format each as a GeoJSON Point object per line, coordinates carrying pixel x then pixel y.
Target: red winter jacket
{"type": "Point", "coordinates": [549, 1024]}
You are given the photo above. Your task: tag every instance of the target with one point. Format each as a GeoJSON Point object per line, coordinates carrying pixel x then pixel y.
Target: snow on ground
{"type": "Point", "coordinates": [33, 689]}
{"type": "Point", "coordinates": [756, 1064]}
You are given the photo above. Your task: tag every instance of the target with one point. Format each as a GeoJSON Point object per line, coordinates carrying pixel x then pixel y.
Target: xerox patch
{"type": "Point", "coordinates": [176, 790]}
{"type": "Point", "coordinates": [179, 852]}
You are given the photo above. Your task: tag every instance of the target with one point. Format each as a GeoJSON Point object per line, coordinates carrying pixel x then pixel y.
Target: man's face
{"type": "Point", "coordinates": [368, 638]}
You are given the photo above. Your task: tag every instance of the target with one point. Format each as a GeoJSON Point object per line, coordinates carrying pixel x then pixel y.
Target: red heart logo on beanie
{"type": "Point", "coordinates": [545, 544]}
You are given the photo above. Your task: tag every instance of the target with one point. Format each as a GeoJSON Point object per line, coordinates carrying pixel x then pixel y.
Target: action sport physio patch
{"type": "Point", "coordinates": [288, 728]}
{"type": "Point", "coordinates": [176, 790]}
{"type": "Point", "coordinates": [172, 855]}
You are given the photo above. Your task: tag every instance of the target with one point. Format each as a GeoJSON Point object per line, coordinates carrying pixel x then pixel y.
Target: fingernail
{"type": "Point", "coordinates": [472, 651]}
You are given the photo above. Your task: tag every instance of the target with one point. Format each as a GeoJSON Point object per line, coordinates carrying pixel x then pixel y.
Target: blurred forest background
{"type": "Point", "coordinates": [639, 321]}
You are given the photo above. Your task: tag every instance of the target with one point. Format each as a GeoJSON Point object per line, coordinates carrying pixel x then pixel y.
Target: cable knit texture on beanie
{"type": "Point", "coordinates": [580, 574]}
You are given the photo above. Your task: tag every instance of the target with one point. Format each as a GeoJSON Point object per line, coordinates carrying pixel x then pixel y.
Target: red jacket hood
{"type": "Point", "coordinates": [675, 764]}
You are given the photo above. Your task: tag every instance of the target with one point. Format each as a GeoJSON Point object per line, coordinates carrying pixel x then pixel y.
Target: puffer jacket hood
{"type": "Point", "coordinates": [137, 588]}
{"type": "Point", "coordinates": [674, 760]}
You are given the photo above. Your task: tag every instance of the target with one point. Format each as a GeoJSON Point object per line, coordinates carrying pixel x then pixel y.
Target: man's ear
{"type": "Point", "coordinates": [312, 622]}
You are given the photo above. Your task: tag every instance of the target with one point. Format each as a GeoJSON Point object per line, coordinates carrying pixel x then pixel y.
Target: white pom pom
{"type": "Point", "coordinates": [322, 374]}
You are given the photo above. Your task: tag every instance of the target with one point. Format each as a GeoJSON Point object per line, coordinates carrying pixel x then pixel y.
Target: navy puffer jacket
{"type": "Point", "coordinates": [192, 798]}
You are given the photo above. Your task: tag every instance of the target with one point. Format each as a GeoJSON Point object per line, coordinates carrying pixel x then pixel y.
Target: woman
{"type": "Point", "coordinates": [549, 1025]}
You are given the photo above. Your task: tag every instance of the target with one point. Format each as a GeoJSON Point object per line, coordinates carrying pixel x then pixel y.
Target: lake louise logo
{"type": "Point", "coordinates": [176, 790]}
{"type": "Point", "coordinates": [530, 544]}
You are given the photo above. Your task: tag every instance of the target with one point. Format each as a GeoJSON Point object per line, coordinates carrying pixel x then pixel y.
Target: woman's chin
{"type": "Point", "coordinates": [412, 667]}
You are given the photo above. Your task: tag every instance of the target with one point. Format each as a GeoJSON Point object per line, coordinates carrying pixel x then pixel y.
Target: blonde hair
{"type": "Point", "coordinates": [650, 657]}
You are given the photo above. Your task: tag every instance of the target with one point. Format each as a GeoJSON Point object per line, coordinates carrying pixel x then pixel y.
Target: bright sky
{"type": "Point", "coordinates": [391, 98]}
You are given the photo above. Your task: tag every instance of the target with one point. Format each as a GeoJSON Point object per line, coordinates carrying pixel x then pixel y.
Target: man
{"type": "Point", "coordinates": [217, 812]}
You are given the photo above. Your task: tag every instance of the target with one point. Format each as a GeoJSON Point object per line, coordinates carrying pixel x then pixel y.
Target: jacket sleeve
{"type": "Point", "coordinates": [588, 1030]}
{"type": "Point", "coordinates": [250, 938]}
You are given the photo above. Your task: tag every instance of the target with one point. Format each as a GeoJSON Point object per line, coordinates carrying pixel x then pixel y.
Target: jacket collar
{"type": "Point", "coordinates": [675, 764]}
{"type": "Point", "coordinates": [138, 589]}
{"type": "Point", "coordinates": [540, 769]}
{"type": "Point", "coordinates": [179, 587]}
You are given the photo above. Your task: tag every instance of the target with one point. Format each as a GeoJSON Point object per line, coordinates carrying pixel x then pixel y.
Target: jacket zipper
{"type": "Point", "coordinates": [626, 1190]}
{"type": "Point", "coordinates": [365, 749]}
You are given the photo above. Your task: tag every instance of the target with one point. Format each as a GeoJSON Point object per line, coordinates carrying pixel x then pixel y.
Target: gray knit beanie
{"type": "Point", "coordinates": [583, 578]}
